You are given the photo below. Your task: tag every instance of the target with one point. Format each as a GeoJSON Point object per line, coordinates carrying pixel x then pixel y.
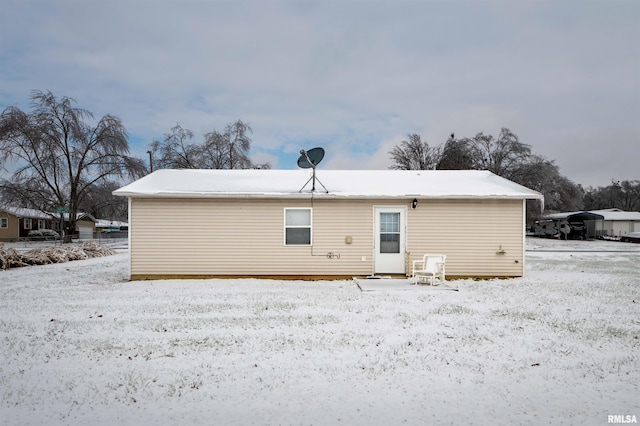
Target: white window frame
{"type": "Point", "coordinates": [27, 223]}
{"type": "Point", "coordinates": [42, 224]}
{"type": "Point", "coordinates": [4, 222]}
{"type": "Point", "coordinates": [285, 226]}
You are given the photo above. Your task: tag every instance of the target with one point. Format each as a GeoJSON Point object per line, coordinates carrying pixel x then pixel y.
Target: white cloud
{"type": "Point", "coordinates": [350, 76]}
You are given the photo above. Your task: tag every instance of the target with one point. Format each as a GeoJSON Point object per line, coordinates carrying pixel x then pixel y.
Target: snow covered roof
{"type": "Point", "coordinates": [608, 215]}
{"type": "Point", "coordinates": [605, 214]}
{"type": "Point", "coordinates": [79, 216]}
{"type": "Point", "coordinates": [339, 183]}
{"type": "Point", "coordinates": [24, 212]}
{"type": "Point", "coordinates": [39, 214]}
{"type": "Point", "coordinates": [617, 214]}
{"type": "Point", "coordinates": [106, 223]}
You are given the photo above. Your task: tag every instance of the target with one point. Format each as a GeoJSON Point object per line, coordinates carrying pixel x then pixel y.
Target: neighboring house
{"type": "Point", "coordinates": [17, 222]}
{"type": "Point", "coordinates": [267, 223]}
{"type": "Point", "coordinates": [592, 223]}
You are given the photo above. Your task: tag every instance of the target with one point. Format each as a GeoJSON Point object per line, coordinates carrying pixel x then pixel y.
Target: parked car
{"type": "Point", "coordinates": [631, 237]}
{"type": "Point", "coordinates": [43, 234]}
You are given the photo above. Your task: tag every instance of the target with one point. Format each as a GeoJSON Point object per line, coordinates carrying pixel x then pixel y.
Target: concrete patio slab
{"type": "Point", "coordinates": [397, 284]}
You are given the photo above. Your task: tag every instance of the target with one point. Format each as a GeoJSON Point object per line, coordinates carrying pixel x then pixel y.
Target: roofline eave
{"type": "Point", "coordinates": [321, 195]}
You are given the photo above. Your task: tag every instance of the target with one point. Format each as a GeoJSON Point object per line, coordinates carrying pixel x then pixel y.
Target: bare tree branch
{"type": "Point", "coordinates": [226, 150]}
{"type": "Point", "coordinates": [58, 156]}
{"type": "Point", "coordinates": [505, 156]}
{"type": "Point", "coordinates": [414, 154]}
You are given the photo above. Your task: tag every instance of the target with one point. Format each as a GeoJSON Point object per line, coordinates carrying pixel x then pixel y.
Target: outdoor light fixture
{"type": "Point", "coordinates": [414, 203]}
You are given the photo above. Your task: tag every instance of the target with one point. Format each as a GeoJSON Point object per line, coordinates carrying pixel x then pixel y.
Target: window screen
{"type": "Point", "coordinates": [297, 225]}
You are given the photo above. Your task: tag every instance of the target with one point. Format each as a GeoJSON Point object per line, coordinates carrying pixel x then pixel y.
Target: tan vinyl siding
{"type": "Point", "coordinates": [245, 237]}
{"type": "Point", "coordinates": [471, 234]}
{"type": "Point", "coordinates": [12, 231]}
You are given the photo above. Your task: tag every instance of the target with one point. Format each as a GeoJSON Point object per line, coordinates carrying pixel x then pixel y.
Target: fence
{"type": "Point", "coordinates": [110, 235]}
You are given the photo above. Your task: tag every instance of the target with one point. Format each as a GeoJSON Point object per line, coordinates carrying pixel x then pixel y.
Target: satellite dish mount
{"type": "Point", "coordinates": [309, 160]}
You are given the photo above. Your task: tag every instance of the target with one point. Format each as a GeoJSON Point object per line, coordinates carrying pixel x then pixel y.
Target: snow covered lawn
{"type": "Point", "coordinates": [82, 345]}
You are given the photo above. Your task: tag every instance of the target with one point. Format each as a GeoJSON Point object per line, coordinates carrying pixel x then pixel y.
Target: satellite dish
{"type": "Point", "coordinates": [310, 159]}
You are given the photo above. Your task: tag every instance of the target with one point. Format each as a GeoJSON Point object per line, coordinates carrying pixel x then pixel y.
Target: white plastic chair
{"type": "Point", "coordinates": [429, 269]}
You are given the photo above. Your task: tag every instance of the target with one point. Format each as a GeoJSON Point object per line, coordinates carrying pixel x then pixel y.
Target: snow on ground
{"type": "Point", "coordinates": [83, 345]}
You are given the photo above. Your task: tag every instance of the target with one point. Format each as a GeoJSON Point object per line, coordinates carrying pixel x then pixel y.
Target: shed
{"type": "Point", "coordinates": [270, 223]}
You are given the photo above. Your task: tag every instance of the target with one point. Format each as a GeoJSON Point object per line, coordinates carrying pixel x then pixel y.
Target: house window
{"type": "Point", "coordinates": [4, 222]}
{"type": "Point", "coordinates": [297, 226]}
{"type": "Point", "coordinates": [41, 224]}
{"type": "Point", "coordinates": [27, 223]}
{"type": "Point", "coordinates": [389, 232]}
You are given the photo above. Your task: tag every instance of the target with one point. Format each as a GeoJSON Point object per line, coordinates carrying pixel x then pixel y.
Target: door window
{"type": "Point", "coordinates": [389, 232]}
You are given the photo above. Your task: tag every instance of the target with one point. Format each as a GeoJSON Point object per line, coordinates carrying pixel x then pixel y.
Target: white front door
{"type": "Point", "coordinates": [389, 230]}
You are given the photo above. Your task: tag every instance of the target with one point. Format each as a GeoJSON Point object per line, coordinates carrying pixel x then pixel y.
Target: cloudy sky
{"type": "Point", "coordinates": [352, 76]}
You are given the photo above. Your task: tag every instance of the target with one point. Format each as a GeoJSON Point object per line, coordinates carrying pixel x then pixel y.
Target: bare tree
{"type": "Point", "coordinates": [226, 150]}
{"type": "Point", "coordinates": [629, 198]}
{"type": "Point", "coordinates": [239, 143]}
{"type": "Point", "coordinates": [503, 156]}
{"type": "Point", "coordinates": [176, 151]}
{"type": "Point", "coordinates": [414, 154]}
{"type": "Point", "coordinates": [506, 156]}
{"type": "Point", "coordinates": [215, 150]}
{"type": "Point", "coordinates": [623, 195]}
{"type": "Point", "coordinates": [456, 155]}
{"type": "Point", "coordinates": [560, 193]}
{"type": "Point", "coordinates": [101, 203]}
{"type": "Point", "coordinates": [58, 157]}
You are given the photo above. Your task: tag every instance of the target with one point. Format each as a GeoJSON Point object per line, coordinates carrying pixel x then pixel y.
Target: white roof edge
{"type": "Point", "coordinates": [306, 195]}
{"type": "Point", "coordinates": [24, 212]}
{"type": "Point", "coordinates": [604, 214]}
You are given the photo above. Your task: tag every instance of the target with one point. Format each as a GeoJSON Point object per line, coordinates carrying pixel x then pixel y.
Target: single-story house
{"type": "Point", "coordinates": [593, 223]}
{"type": "Point", "coordinates": [17, 222]}
{"type": "Point", "coordinates": [271, 223]}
